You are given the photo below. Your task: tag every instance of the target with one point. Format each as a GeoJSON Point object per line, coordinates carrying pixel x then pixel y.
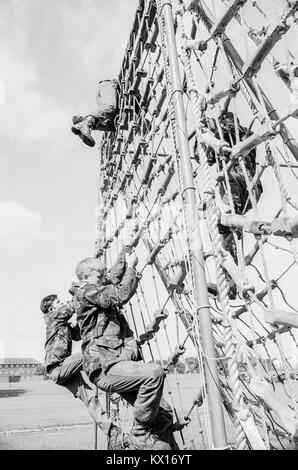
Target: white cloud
{"type": "Point", "coordinates": [20, 227]}
{"type": "Point", "coordinates": [27, 112]}
{"type": "Point", "coordinates": [76, 48]}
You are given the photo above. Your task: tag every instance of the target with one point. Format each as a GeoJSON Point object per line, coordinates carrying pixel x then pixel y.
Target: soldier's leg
{"type": "Point", "coordinates": [141, 385]}
{"type": "Point", "coordinates": [145, 379]}
{"type": "Point", "coordinates": [84, 390]}
{"type": "Point", "coordinates": [70, 367]}
{"type": "Point", "coordinates": [102, 118]}
{"type": "Point", "coordinates": [163, 424]}
{"type": "Point", "coordinates": [107, 99]}
{"type": "Point", "coordinates": [71, 376]}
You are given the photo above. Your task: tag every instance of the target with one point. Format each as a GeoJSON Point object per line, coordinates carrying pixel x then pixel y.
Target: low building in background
{"type": "Point", "coordinates": [13, 369]}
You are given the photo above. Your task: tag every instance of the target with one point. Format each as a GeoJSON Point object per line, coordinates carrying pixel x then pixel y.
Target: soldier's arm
{"type": "Point", "coordinates": [64, 313]}
{"type": "Point", "coordinates": [103, 296]}
{"type": "Point", "coordinates": [128, 285]}
{"type": "Point", "coordinates": [117, 270]}
{"type": "Point", "coordinates": [111, 295]}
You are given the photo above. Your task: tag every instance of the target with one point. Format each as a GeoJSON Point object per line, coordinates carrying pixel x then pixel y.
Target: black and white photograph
{"type": "Point", "coordinates": [148, 227]}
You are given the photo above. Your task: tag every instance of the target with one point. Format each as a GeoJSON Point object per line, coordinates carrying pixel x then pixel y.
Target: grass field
{"type": "Point", "coordinates": [39, 414]}
{"type": "Point", "coordinates": [43, 415]}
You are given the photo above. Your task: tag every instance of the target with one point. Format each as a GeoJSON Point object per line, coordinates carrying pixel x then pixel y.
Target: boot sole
{"type": "Point", "coordinates": [86, 141]}
{"type": "Point", "coordinates": [75, 130]}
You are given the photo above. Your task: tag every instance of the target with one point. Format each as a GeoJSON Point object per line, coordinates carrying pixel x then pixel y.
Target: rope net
{"type": "Point", "coordinates": [244, 162]}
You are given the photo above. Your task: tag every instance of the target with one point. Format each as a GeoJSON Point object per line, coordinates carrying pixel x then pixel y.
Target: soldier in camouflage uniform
{"type": "Point", "coordinates": [102, 118]}
{"type": "Point", "coordinates": [64, 368]}
{"type": "Point", "coordinates": [111, 356]}
{"type": "Point", "coordinates": [237, 181]}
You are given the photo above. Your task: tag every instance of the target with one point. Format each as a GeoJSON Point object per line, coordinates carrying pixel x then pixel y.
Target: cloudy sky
{"type": "Point", "coordinates": [52, 54]}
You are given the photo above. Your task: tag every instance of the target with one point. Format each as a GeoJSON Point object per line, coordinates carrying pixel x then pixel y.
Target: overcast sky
{"type": "Point", "coordinates": [52, 54]}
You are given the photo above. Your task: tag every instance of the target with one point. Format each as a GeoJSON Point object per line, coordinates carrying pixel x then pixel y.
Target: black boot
{"type": "Point", "coordinates": [142, 437]}
{"type": "Point", "coordinates": [83, 130]}
{"type": "Point", "coordinates": [162, 427]}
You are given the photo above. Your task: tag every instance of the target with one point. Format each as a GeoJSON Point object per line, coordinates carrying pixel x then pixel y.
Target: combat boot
{"type": "Point", "coordinates": [83, 130]}
{"type": "Point", "coordinates": [117, 439]}
{"type": "Point", "coordinates": [141, 437]}
{"type": "Point", "coordinates": [163, 426]}
{"type": "Point", "coordinates": [77, 118]}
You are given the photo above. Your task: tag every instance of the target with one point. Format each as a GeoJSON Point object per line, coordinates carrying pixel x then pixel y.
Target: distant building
{"type": "Point", "coordinates": [17, 366]}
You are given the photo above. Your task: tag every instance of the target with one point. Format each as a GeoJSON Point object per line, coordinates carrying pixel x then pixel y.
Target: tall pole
{"type": "Point", "coordinates": [195, 242]}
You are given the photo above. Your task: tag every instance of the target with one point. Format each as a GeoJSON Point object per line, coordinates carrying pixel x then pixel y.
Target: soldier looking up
{"type": "Point", "coordinates": [111, 356]}
{"type": "Point", "coordinates": [64, 368]}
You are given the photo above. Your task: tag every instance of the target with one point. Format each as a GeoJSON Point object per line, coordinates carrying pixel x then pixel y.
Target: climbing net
{"type": "Point", "coordinates": [226, 58]}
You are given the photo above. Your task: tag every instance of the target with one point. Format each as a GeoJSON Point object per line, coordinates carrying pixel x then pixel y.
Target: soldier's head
{"type": "Point", "coordinates": [48, 302]}
{"type": "Point", "coordinates": [91, 269]}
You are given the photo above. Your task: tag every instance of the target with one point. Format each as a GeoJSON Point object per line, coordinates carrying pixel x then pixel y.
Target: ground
{"type": "Point", "coordinates": [38, 414]}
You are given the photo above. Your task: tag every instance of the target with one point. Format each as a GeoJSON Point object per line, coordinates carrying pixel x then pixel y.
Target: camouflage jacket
{"type": "Point", "coordinates": [229, 135]}
{"type": "Point", "coordinates": [106, 336]}
{"type": "Point", "coordinates": [59, 335]}
{"type": "Point", "coordinates": [115, 274]}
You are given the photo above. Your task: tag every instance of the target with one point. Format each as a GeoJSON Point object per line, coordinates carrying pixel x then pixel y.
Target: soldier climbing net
{"type": "Point", "coordinates": [185, 63]}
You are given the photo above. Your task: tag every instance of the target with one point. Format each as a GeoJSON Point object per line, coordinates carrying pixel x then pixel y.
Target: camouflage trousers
{"type": "Point", "coordinates": [162, 427]}
{"type": "Point", "coordinates": [107, 102]}
{"type": "Point", "coordinates": [141, 385]}
{"type": "Point", "coordinates": [70, 375]}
